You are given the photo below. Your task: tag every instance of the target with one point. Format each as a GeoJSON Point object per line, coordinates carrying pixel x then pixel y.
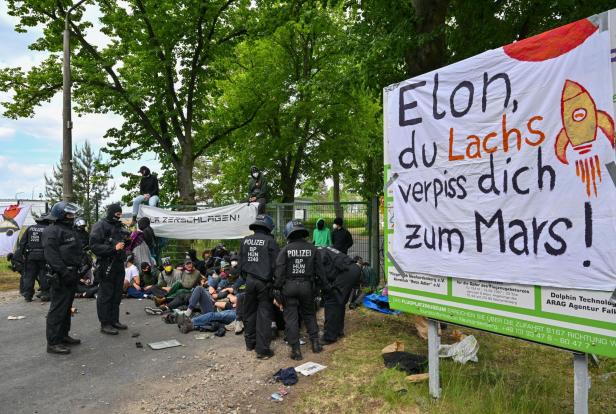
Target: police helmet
{"type": "Point", "coordinates": [295, 229]}
{"type": "Point", "coordinates": [80, 222]}
{"type": "Point", "coordinates": [262, 221]}
{"type": "Point", "coordinates": [61, 209]}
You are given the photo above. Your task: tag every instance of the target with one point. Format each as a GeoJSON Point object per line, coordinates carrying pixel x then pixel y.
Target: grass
{"type": "Point", "coordinates": [9, 280]}
{"type": "Point", "coordinates": [512, 376]}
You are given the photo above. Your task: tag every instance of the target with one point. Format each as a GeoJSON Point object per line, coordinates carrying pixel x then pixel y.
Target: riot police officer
{"type": "Point", "coordinates": [59, 246]}
{"type": "Point", "coordinates": [33, 258]}
{"type": "Point", "coordinates": [107, 243]}
{"type": "Point", "coordinates": [298, 268]}
{"type": "Point", "coordinates": [258, 254]}
{"type": "Point", "coordinates": [343, 274]}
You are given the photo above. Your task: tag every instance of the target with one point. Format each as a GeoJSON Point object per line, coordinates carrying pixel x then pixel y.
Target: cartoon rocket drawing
{"type": "Point", "coordinates": [580, 118]}
{"type": "Point", "coordinates": [9, 225]}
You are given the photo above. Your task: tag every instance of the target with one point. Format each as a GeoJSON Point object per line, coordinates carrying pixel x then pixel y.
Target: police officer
{"type": "Point", "coordinates": [82, 233]}
{"type": "Point", "coordinates": [258, 255]}
{"type": "Point", "coordinates": [343, 274]}
{"type": "Point", "coordinates": [31, 253]}
{"type": "Point", "coordinates": [107, 243]}
{"type": "Point", "coordinates": [59, 246]}
{"type": "Point", "coordinates": [298, 267]}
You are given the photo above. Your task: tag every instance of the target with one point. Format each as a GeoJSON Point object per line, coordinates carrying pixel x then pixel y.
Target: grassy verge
{"type": "Point", "coordinates": [9, 280]}
{"type": "Point", "coordinates": [512, 376]}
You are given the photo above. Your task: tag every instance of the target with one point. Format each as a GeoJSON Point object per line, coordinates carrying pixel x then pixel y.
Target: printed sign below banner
{"type": "Point", "coordinates": [220, 223]}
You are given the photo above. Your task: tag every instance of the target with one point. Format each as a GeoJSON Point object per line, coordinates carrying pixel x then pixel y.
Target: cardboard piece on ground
{"type": "Point", "coordinates": [421, 324]}
{"type": "Point", "coordinates": [393, 347]}
{"type": "Point", "coordinates": [309, 368]}
{"type": "Point", "coordinates": [418, 377]}
{"type": "Point", "coordinates": [164, 344]}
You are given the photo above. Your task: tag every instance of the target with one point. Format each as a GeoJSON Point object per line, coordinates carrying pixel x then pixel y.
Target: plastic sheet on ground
{"type": "Point", "coordinates": [462, 352]}
{"type": "Point", "coordinates": [379, 303]}
{"type": "Point", "coordinates": [309, 368]}
{"type": "Point", "coordinates": [165, 344]}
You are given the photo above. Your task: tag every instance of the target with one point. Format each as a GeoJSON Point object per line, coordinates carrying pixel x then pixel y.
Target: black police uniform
{"type": "Point", "coordinates": [343, 274]}
{"type": "Point", "coordinates": [258, 255]}
{"type": "Point", "coordinates": [298, 267]}
{"type": "Point", "coordinates": [61, 248]}
{"type": "Point", "coordinates": [109, 267]}
{"type": "Point", "coordinates": [31, 249]}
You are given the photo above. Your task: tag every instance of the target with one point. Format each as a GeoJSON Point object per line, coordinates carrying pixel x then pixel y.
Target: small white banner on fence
{"type": "Point", "coordinates": [228, 222]}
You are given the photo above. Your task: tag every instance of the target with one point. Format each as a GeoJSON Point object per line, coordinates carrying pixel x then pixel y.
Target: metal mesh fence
{"type": "Point", "coordinates": [355, 215]}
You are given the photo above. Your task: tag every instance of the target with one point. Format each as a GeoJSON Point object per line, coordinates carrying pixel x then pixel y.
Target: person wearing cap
{"type": "Point", "coordinates": [341, 237]}
{"type": "Point", "coordinates": [107, 241]}
{"type": "Point", "coordinates": [257, 260]}
{"type": "Point", "coordinates": [30, 251]}
{"type": "Point", "coordinates": [258, 189]}
{"type": "Point", "coordinates": [60, 245]}
{"type": "Point", "coordinates": [148, 191]}
{"type": "Point", "coordinates": [298, 269]}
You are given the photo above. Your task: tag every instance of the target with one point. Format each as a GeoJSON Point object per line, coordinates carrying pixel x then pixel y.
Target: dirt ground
{"type": "Point", "coordinates": [111, 375]}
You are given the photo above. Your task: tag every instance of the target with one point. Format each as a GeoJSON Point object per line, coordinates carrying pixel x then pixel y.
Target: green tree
{"type": "Point", "coordinates": [160, 72]}
{"type": "Point", "coordinates": [92, 183]}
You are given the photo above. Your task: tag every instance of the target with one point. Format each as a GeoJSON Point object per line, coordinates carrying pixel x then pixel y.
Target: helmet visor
{"type": "Point", "coordinates": [71, 208]}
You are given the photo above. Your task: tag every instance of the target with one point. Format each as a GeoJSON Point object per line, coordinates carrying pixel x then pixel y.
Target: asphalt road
{"type": "Point", "coordinates": [100, 375]}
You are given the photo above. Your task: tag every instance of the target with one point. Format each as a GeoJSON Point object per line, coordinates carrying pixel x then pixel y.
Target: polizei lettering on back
{"type": "Point", "coordinates": [299, 253]}
{"type": "Point", "coordinates": [254, 242]}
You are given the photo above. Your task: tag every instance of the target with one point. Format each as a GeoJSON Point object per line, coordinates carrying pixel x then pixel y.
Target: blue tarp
{"type": "Point", "coordinates": [379, 303]}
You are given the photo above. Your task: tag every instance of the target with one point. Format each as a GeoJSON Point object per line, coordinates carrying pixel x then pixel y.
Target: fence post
{"type": "Point", "coordinates": [375, 237]}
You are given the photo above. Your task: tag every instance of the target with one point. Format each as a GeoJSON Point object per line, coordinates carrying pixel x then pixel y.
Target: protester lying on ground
{"type": "Point", "coordinates": [130, 271]}
{"type": "Point", "coordinates": [148, 191]}
{"type": "Point", "coordinates": [201, 299]}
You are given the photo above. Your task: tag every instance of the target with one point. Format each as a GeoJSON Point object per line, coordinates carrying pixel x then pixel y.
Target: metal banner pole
{"type": "Point", "coordinates": [434, 342]}
{"type": "Point", "coordinates": [581, 383]}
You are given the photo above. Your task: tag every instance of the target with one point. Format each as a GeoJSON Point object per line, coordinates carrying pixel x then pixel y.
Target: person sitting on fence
{"type": "Point", "coordinates": [341, 237]}
{"type": "Point", "coordinates": [257, 189]}
{"type": "Point", "coordinates": [321, 236]}
{"type": "Point", "coordinates": [148, 191]}
{"type": "Point", "coordinates": [130, 271]}
{"type": "Point", "coordinates": [148, 236]}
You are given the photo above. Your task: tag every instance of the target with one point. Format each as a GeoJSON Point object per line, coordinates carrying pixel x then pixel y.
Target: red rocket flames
{"type": "Point", "coordinates": [11, 212]}
{"type": "Point", "coordinates": [581, 121]}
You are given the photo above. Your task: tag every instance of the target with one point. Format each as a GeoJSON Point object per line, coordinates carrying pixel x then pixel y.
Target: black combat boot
{"type": "Point", "coordinates": [109, 330]}
{"type": "Point", "coordinates": [58, 349]}
{"type": "Point", "coordinates": [296, 353]}
{"type": "Point", "coordinates": [316, 346]}
{"type": "Point", "coordinates": [69, 340]}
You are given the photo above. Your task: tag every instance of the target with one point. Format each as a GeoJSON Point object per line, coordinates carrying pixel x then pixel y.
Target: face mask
{"type": "Point", "coordinates": [335, 226]}
{"type": "Point", "coordinates": [233, 263]}
{"type": "Point", "coordinates": [168, 269]}
{"type": "Point", "coordinates": [255, 175]}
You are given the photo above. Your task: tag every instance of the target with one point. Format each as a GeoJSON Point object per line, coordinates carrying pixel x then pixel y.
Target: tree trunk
{"type": "Point", "coordinates": [337, 206]}
{"type": "Point", "coordinates": [186, 186]}
{"type": "Point", "coordinates": [431, 15]}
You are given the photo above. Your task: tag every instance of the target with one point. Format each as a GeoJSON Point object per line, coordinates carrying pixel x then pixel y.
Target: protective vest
{"type": "Point", "coordinates": [258, 254]}
{"type": "Point", "coordinates": [334, 262]}
{"type": "Point", "coordinates": [34, 242]}
{"type": "Point", "coordinates": [300, 259]}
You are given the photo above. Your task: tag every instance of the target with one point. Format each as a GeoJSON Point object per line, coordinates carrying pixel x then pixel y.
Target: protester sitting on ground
{"type": "Point", "coordinates": [144, 285]}
{"type": "Point", "coordinates": [149, 236]}
{"type": "Point", "coordinates": [130, 271]}
{"type": "Point", "coordinates": [87, 287]}
{"type": "Point", "coordinates": [341, 237]}
{"type": "Point", "coordinates": [199, 264]}
{"type": "Point", "coordinates": [188, 278]}
{"type": "Point", "coordinates": [368, 283]}
{"type": "Point", "coordinates": [217, 254]}
{"type": "Point", "coordinates": [167, 276]}
{"type": "Point", "coordinates": [258, 189]}
{"type": "Point", "coordinates": [321, 236]}
{"type": "Point", "coordinates": [148, 191]}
